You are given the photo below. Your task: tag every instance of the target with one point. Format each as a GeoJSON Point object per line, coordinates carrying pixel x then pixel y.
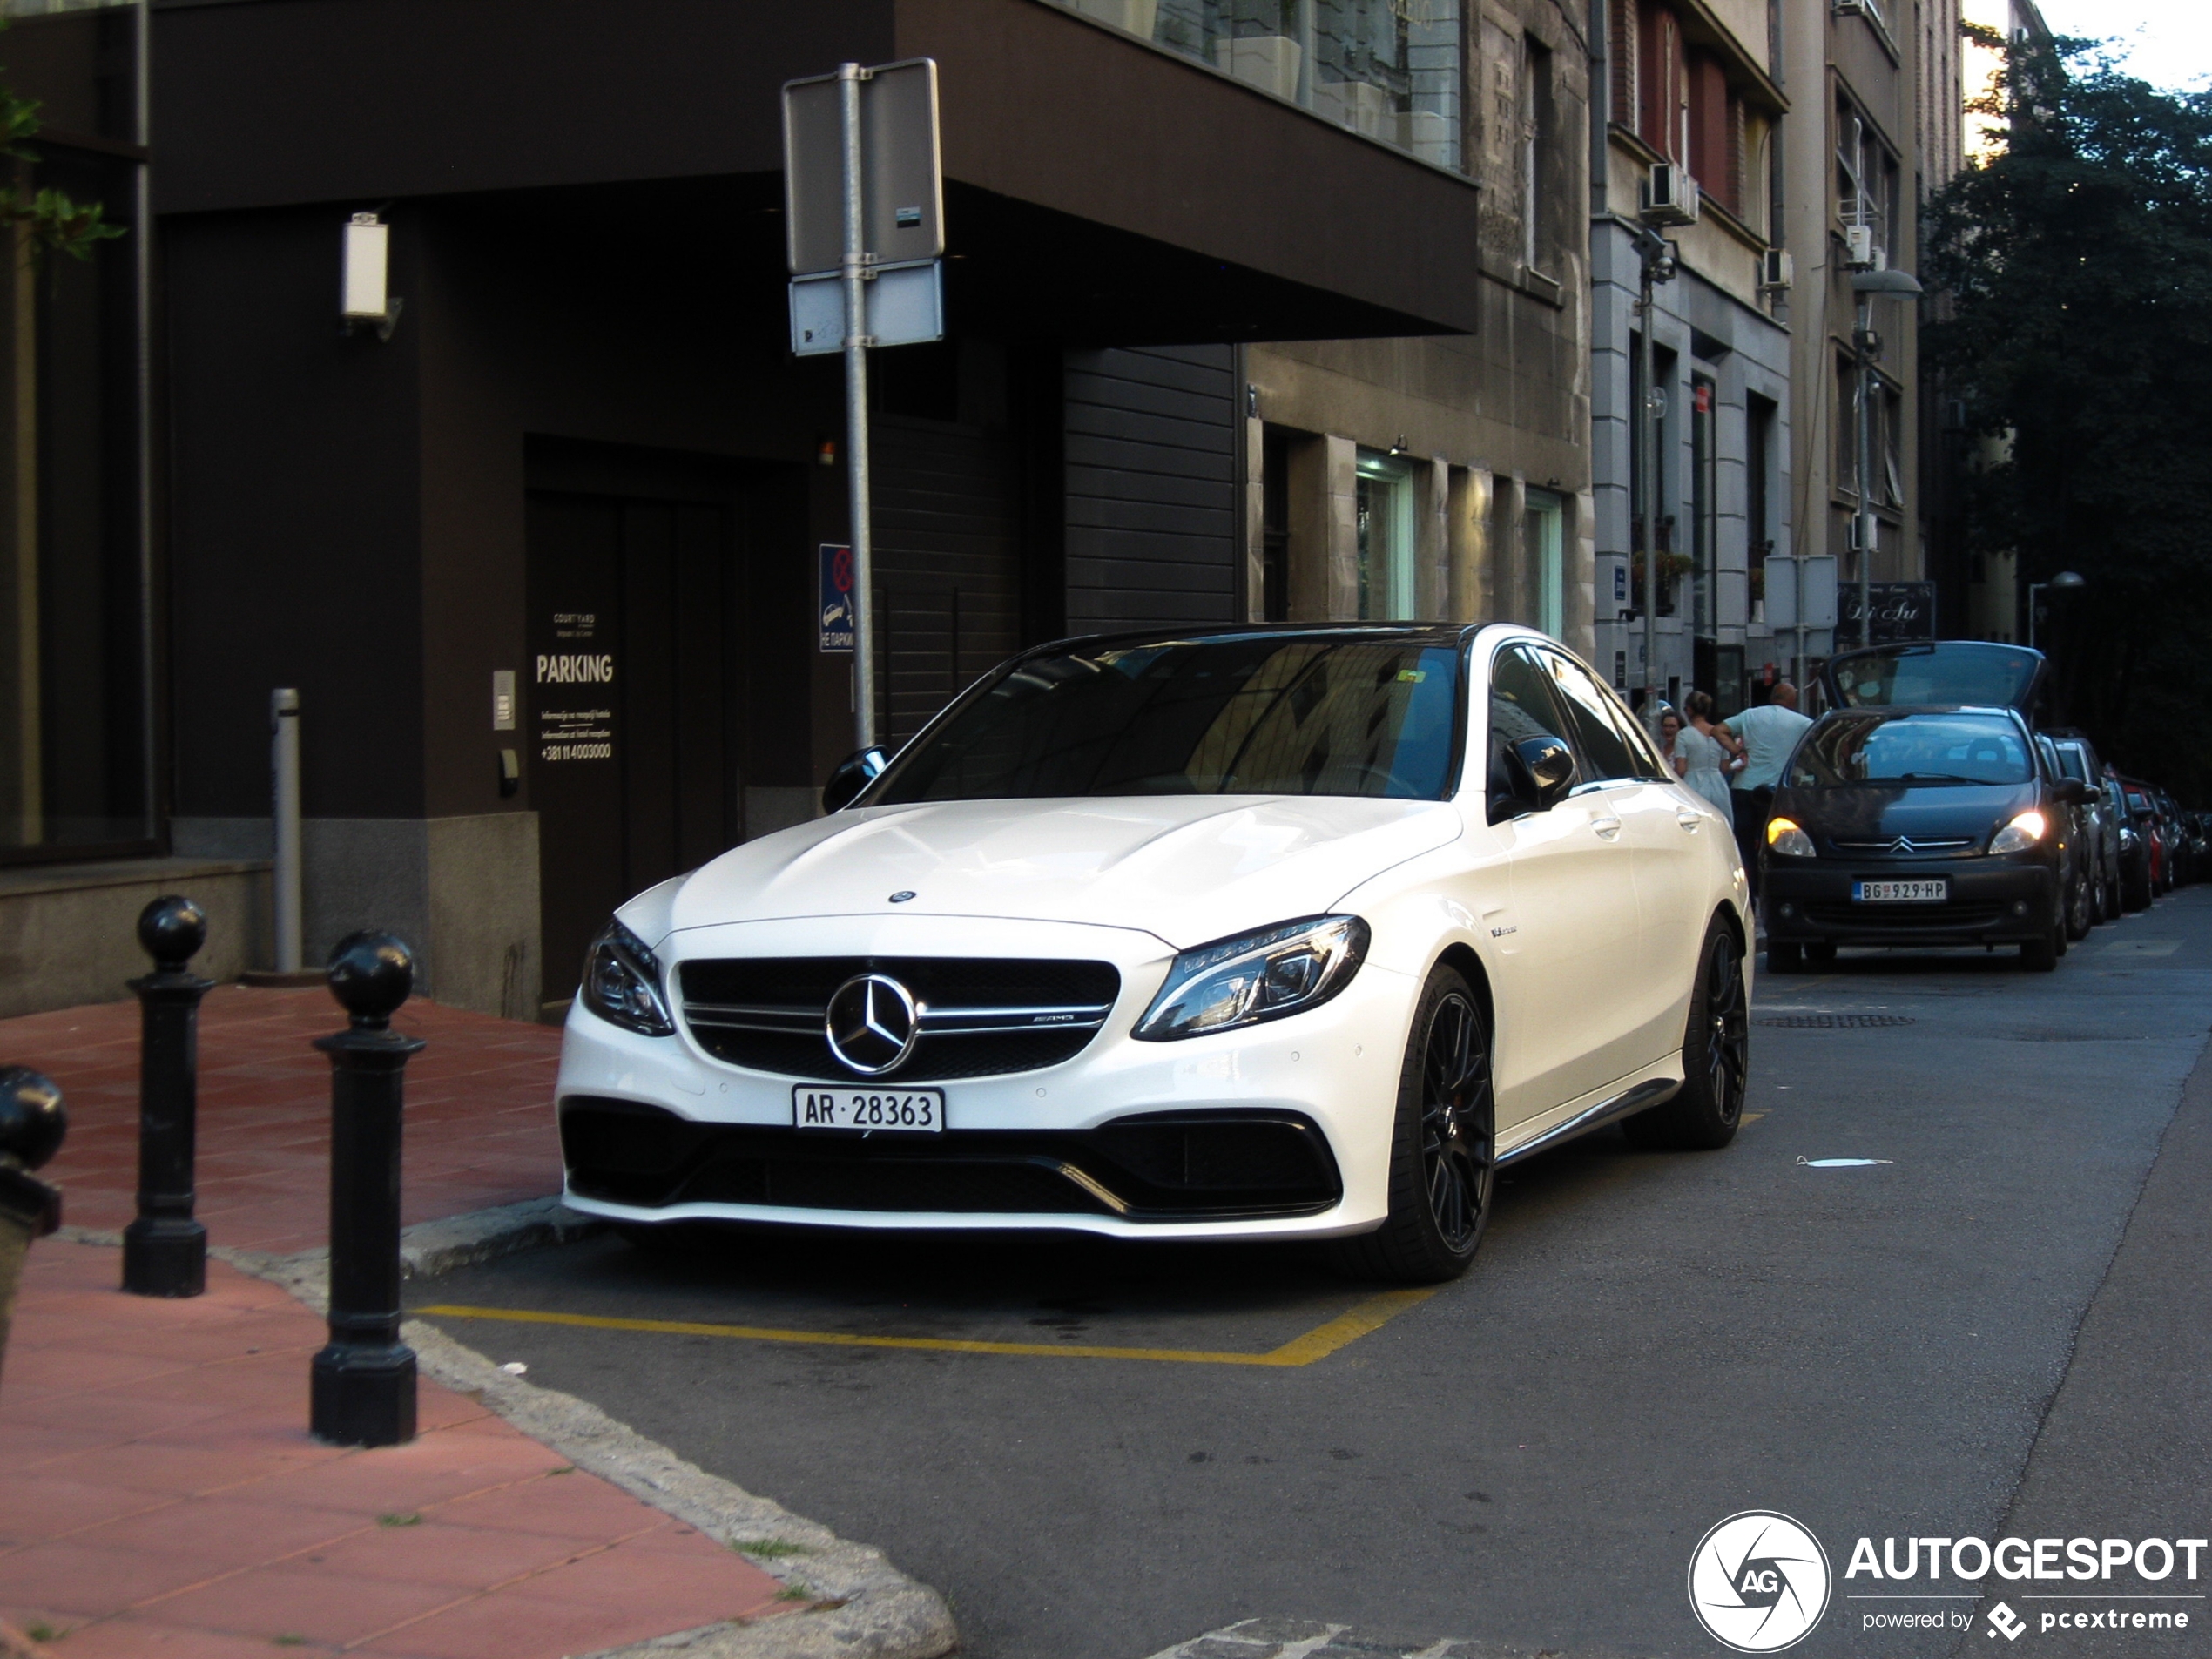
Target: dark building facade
{"type": "Point", "coordinates": [586, 436]}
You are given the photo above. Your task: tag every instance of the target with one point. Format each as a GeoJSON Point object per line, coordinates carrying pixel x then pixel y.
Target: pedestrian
{"type": "Point", "coordinates": [1768, 731]}
{"type": "Point", "coordinates": [1703, 757]}
{"type": "Point", "coordinates": [1669, 729]}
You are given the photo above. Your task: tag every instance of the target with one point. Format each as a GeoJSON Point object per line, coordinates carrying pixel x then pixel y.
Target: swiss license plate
{"type": "Point", "coordinates": [899, 1111]}
{"type": "Point", "coordinates": [1934, 892]}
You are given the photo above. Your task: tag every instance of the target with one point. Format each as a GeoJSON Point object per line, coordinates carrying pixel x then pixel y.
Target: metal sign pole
{"type": "Point", "coordinates": [854, 267]}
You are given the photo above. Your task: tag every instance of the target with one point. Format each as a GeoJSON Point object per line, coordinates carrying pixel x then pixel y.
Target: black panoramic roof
{"type": "Point", "coordinates": [1422, 633]}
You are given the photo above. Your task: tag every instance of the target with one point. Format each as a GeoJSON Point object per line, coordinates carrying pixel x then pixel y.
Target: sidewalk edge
{"type": "Point", "coordinates": [863, 1606]}
{"type": "Point", "coordinates": [428, 1249]}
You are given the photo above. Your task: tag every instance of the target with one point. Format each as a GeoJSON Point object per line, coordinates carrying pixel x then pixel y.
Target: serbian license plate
{"type": "Point", "coordinates": [1935, 891]}
{"type": "Point", "coordinates": [902, 1111]}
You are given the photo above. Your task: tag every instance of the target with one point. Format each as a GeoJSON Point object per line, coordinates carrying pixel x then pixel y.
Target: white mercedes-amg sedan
{"type": "Point", "coordinates": [1269, 932]}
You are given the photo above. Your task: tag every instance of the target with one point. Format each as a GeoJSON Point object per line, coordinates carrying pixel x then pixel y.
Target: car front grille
{"type": "Point", "coordinates": [980, 1017]}
{"type": "Point", "coordinates": [1156, 1166]}
{"type": "Point", "coordinates": [1907, 918]}
{"type": "Point", "coordinates": [1912, 849]}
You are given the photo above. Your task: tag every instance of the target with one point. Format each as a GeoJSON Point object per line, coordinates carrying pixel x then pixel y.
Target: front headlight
{"type": "Point", "coordinates": [1256, 976]}
{"type": "Point", "coordinates": [622, 983]}
{"type": "Point", "coordinates": [1784, 837]}
{"type": "Point", "coordinates": [2127, 838]}
{"type": "Point", "coordinates": [2019, 835]}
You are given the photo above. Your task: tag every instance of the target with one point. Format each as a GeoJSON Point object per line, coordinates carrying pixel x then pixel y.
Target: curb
{"type": "Point", "coordinates": [857, 1605]}
{"type": "Point", "coordinates": [426, 1249]}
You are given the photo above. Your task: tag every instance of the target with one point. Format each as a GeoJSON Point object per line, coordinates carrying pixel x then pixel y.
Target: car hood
{"type": "Point", "coordinates": [1882, 811]}
{"type": "Point", "coordinates": [1187, 869]}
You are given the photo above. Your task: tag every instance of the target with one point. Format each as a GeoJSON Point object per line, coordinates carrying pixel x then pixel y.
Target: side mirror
{"type": "Point", "coordinates": [2072, 791]}
{"type": "Point", "coordinates": [852, 774]}
{"type": "Point", "coordinates": [1550, 765]}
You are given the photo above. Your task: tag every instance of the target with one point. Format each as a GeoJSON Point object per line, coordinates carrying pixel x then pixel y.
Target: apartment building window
{"type": "Point", "coordinates": [1866, 175]}
{"type": "Point", "coordinates": [1539, 147]}
{"type": "Point", "coordinates": [1662, 83]}
{"type": "Point", "coordinates": [1386, 531]}
{"type": "Point", "coordinates": [1389, 68]}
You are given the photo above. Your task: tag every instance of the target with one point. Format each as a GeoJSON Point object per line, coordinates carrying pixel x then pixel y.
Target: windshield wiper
{"type": "Point", "coordinates": [1937, 777]}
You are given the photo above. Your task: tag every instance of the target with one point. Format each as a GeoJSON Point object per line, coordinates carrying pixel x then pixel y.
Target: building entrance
{"type": "Point", "coordinates": [632, 707]}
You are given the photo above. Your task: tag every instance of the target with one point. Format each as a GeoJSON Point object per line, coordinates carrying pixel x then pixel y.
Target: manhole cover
{"type": "Point", "coordinates": [1836, 1022]}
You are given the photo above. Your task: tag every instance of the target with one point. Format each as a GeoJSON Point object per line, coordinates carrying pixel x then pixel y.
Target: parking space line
{"type": "Point", "coordinates": [1317, 1343]}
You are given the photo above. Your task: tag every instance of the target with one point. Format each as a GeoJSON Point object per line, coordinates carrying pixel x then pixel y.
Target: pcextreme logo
{"type": "Point", "coordinates": [1758, 1582]}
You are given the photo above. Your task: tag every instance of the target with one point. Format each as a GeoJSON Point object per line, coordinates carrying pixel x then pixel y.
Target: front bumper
{"type": "Point", "coordinates": [1994, 900]}
{"type": "Point", "coordinates": [1279, 1130]}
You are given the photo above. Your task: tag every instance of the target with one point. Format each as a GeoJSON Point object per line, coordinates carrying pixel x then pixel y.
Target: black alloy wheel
{"type": "Point", "coordinates": [1705, 1113]}
{"type": "Point", "coordinates": [1443, 1162]}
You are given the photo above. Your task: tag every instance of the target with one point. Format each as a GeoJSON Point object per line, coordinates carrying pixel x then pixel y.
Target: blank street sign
{"type": "Point", "coordinates": [906, 305]}
{"type": "Point", "coordinates": [902, 216]}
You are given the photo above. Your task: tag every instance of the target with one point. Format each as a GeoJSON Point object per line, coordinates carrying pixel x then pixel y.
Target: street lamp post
{"type": "Point", "coordinates": [1866, 345]}
{"type": "Point", "coordinates": [2064, 582]}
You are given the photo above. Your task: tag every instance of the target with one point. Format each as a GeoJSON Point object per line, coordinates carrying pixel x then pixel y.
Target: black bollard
{"type": "Point", "coordinates": [361, 1390]}
{"type": "Point", "coordinates": [31, 1126]}
{"type": "Point", "coordinates": [164, 1251]}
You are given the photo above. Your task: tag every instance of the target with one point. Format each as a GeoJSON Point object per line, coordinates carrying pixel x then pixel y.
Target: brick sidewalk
{"type": "Point", "coordinates": [159, 1492]}
{"type": "Point", "coordinates": [479, 1112]}
{"type": "Point", "coordinates": [159, 1499]}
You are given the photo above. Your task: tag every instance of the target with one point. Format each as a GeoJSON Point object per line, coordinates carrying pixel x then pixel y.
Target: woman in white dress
{"type": "Point", "coordinates": [1702, 757]}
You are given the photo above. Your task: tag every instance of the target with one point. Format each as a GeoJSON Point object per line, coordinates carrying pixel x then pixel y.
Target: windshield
{"type": "Point", "coordinates": [1954, 671]}
{"type": "Point", "coordinates": [1912, 749]}
{"type": "Point", "coordinates": [1268, 714]}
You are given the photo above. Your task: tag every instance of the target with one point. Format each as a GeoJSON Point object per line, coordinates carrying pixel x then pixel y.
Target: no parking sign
{"type": "Point", "coordinates": [836, 596]}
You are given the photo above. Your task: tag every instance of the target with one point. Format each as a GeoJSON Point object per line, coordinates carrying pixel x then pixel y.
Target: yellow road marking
{"type": "Point", "coordinates": [1317, 1343]}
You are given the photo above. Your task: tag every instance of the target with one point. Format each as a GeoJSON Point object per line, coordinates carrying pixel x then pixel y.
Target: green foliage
{"type": "Point", "coordinates": [55, 223]}
{"type": "Point", "coordinates": [2078, 326]}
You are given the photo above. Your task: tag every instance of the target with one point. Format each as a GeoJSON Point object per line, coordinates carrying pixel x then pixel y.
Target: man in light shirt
{"type": "Point", "coordinates": [1768, 731]}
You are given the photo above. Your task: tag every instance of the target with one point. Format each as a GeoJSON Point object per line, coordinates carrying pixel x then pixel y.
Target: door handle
{"type": "Point", "coordinates": [1607, 827]}
{"type": "Point", "coordinates": [1688, 819]}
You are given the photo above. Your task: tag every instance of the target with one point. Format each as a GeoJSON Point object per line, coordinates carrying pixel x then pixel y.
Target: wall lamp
{"type": "Point", "coordinates": [365, 299]}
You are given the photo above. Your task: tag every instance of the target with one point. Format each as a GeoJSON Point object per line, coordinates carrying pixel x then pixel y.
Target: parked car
{"type": "Point", "coordinates": [1278, 932]}
{"type": "Point", "coordinates": [2078, 759]}
{"type": "Point", "coordinates": [2077, 847]}
{"type": "Point", "coordinates": [2135, 847]}
{"type": "Point", "coordinates": [1916, 826]}
{"type": "Point", "coordinates": [2146, 875]}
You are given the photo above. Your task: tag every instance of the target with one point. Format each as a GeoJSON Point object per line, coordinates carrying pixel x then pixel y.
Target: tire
{"type": "Point", "coordinates": [1715, 1056]}
{"type": "Point", "coordinates": [2039, 955]}
{"type": "Point", "coordinates": [1443, 1144]}
{"type": "Point", "coordinates": [2135, 893]}
{"type": "Point", "coordinates": [2098, 916]}
{"type": "Point", "coordinates": [2079, 919]}
{"type": "Point", "coordinates": [2115, 907]}
{"type": "Point", "coordinates": [1784, 959]}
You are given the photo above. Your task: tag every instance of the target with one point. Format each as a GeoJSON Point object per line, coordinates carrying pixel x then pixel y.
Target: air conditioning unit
{"type": "Point", "coordinates": [1859, 252]}
{"type": "Point", "coordinates": [1776, 270]}
{"type": "Point", "coordinates": [1670, 195]}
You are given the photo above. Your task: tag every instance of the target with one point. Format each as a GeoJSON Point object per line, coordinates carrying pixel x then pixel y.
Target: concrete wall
{"type": "Point", "coordinates": [69, 933]}
{"type": "Point", "coordinates": [462, 891]}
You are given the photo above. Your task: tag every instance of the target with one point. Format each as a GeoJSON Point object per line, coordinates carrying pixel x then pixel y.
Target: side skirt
{"type": "Point", "coordinates": [1651, 1092]}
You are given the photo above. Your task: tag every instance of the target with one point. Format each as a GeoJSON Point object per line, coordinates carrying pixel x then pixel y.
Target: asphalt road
{"type": "Point", "coordinates": [1648, 1344]}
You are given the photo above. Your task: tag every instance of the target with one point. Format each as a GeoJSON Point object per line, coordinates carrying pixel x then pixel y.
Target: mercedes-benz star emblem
{"type": "Point", "coordinates": [871, 1023]}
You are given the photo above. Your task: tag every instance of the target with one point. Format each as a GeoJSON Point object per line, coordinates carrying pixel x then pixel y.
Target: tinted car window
{"type": "Point", "coordinates": [2071, 763]}
{"type": "Point", "coordinates": [1605, 753]}
{"type": "Point", "coordinates": [1852, 747]}
{"type": "Point", "coordinates": [1268, 714]}
{"type": "Point", "coordinates": [1521, 701]}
